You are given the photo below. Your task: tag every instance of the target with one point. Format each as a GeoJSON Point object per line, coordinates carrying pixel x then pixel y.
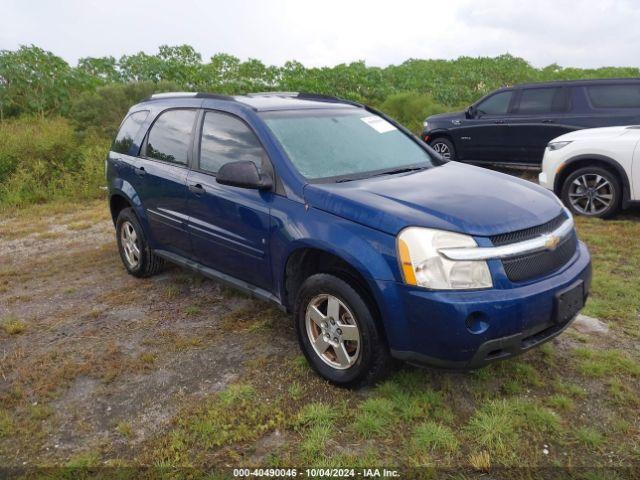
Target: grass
{"type": "Point", "coordinates": [577, 394]}
{"type": "Point", "coordinates": [589, 436]}
{"type": "Point", "coordinates": [601, 363]}
{"type": "Point", "coordinates": [6, 423]}
{"type": "Point", "coordinates": [498, 425]}
{"type": "Point", "coordinates": [14, 326]}
{"type": "Point", "coordinates": [616, 260]}
{"type": "Point", "coordinates": [125, 429]}
{"type": "Point", "coordinates": [432, 436]}
{"type": "Point", "coordinates": [375, 417]}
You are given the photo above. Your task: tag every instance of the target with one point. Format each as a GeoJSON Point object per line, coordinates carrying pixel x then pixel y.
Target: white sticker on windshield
{"type": "Point", "coordinates": [379, 124]}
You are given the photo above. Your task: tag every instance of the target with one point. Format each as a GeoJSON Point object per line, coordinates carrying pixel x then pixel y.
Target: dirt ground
{"type": "Point", "coordinates": [101, 348]}
{"type": "Point", "coordinates": [98, 366]}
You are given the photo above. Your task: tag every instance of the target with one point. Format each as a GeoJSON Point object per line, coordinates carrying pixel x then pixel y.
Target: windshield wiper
{"type": "Point", "coordinates": [399, 170]}
{"type": "Point", "coordinates": [379, 174]}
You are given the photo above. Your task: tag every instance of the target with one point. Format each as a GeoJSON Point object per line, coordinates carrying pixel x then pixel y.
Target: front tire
{"type": "Point", "coordinates": [138, 258]}
{"type": "Point", "coordinates": [337, 332]}
{"type": "Point", "coordinates": [592, 191]}
{"type": "Point", "coordinates": [444, 147]}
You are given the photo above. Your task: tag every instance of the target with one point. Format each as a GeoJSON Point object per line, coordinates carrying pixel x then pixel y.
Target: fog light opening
{"type": "Point", "coordinates": [477, 322]}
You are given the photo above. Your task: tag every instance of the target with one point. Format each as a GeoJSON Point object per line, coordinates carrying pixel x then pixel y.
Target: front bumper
{"type": "Point", "coordinates": [469, 329]}
{"type": "Point", "coordinates": [543, 180]}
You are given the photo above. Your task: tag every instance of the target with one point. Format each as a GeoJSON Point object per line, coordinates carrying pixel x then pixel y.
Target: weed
{"type": "Point", "coordinates": [171, 292]}
{"type": "Point", "coordinates": [192, 310]}
{"type": "Point", "coordinates": [13, 325]}
{"type": "Point", "coordinates": [6, 424]}
{"type": "Point", "coordinates": [125, 429]}
{"type": "Point", "coordinates": [40, 411]}
{"type": "Point", "coordinates": [561, 402]}
{"type": "Point", "coordinates": [374, 417]}
{"type": "Point", "coordinates": [589, 437]}
{"type": "Point", "coordinates": [480, 461]}
{"type": "Point", "coordinates": [434, 436]}
{"type": "Point", "coordinates": [317, 414]}
{"type": "Point", "coordinates": [295, 390]}
{"type": "Point", "coordinates": [600, 363]}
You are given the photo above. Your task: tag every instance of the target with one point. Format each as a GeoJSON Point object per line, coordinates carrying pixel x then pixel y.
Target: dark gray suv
{"type": "Point", "coordinates": [512, 126]}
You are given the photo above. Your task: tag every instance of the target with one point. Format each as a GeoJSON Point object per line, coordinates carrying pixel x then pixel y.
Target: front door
{"type": "Point", "coordinates": [229, 226]}
{"type": "Point", "coordinates": [483, 137]}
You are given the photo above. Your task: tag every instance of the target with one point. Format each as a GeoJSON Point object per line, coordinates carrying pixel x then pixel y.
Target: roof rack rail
{"type": "Point", "coordinates": [305, 96]}
{"type": "Point", "coordinates": [272, 94]}
{"type": "Point", "coordinates": [160, 96]}
{"type": "Point", "coordinates": [173, 94]}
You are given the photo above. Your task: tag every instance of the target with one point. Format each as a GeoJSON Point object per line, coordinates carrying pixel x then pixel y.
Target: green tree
{"type": "Point", "coordinates": [34, 81]}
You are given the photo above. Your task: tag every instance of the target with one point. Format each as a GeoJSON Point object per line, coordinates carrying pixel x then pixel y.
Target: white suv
{"type": "Point", "coordinates": [594, 171]}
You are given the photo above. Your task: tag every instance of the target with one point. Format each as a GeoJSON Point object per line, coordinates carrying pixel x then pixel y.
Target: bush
{"type": "Point", "coordinates": [42, 159]}
{"type": "Point", "coordinates": [101, 111]}
{"type": "Point", "coordinates": [410, 108]}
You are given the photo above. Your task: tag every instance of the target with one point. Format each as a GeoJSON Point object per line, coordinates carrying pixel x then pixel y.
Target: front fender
{"type": "Point", "coordinates": [371, 252]}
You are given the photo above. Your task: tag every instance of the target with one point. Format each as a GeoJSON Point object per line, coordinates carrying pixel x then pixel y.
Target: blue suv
{"type": "Point", "coordinates": [378, 246]}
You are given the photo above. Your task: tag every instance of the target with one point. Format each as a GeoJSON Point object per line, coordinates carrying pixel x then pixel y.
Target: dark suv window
{"type": "Point", "coordinates": [170, 137]}
{"type": "Point", "coordinates": [615, 96]}
{"type": "Point", "coordinates": [227, 139]}
{"type": "Point", "coordinates": [542, 100]}
{"type": "Point", "coordinates": [497, 104]}
{"type": "Point", "coordinates": [128, 131]}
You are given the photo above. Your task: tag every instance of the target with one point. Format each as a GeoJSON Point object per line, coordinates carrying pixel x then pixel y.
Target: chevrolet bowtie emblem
{"type": "Point", "coordinates": [552, 242]}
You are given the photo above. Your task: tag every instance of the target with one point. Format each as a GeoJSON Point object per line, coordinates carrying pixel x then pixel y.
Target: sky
{"type": "Point", "coordinates": [588, 33]}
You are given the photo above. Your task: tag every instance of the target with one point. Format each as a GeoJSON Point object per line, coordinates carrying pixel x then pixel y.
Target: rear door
{"type": "Point", "coordinates": [229, 226]}
{"type": "Point", "coordinates": [483, 138]}
{"type": "Point", "coordinates": [162, 178]}
{"type": "Point", "coordinates": [538, 117]}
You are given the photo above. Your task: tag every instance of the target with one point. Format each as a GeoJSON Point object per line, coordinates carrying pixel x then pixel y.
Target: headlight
{"type": "Point", "coordinates": [425, 125]}
{"type": "Point", "coordinates": [422, 264]}
{"type": "Point", "coordinates": [557, 145]}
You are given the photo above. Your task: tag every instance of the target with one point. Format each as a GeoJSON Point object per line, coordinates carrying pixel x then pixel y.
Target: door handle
{"type": "Point", "coordinates": [197, 189]}
{"type": "Point", "coordinates": [140, 171]}
{"type": "Point", "coordinates": [547, 121]}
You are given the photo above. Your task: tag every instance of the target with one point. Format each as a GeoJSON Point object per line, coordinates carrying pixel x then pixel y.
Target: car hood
{"type": "Point", "coordinates": [598, 133]}
{"type": "Point", "coordinates": [442, 117]}
{"type": "Point", "coordinates": [455, 197]}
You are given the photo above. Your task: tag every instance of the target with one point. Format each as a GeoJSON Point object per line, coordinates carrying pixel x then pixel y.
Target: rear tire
{"type": "Point", "coordinates": [338, 334]}
{"type": "Point", "coordinates": [444, 147]}
{"type": "Point", "coordinates": [592, 191]}
{"type": "Point", "coordinates": [138, 258]}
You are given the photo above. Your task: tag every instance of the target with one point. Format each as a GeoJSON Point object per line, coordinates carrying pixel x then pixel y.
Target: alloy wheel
{"type": "Point", "coordinates": [130, 244]}
{"type": "Point", "coordinates": [333, 331]}
{"type": "Point", "coordinates": [442, 149]}
{"type": "Point", "coordinates": [591, 194]}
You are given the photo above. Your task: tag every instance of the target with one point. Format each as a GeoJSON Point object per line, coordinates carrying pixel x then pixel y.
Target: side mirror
{"type": "Point", "coordinates": [471, 112]}
{"type": "Point", "coordinates": [243, 174]}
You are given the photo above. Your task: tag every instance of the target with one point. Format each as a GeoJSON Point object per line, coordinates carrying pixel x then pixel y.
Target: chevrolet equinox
{"type": "Point", "coordinates": [378, 246]}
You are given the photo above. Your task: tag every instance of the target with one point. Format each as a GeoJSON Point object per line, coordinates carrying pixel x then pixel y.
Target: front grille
{"type": "Point", "coordinates": [537, 264]}
{"type": "Point", "coordinates": [528, 233]}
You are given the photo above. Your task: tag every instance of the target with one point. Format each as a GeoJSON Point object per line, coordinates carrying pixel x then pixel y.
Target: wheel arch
{"type": "Point", "coordinates": [307, 260]}
{"type": "Point", "coordinates": [117, 203]}
{"type": "Point", "coordinates": [602, 161]}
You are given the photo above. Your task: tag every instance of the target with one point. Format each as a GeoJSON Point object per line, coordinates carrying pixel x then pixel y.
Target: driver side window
{"type": "Point", "coordinates": [497, 104]}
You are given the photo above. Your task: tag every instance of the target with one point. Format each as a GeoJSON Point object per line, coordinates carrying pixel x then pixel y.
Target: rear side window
{"type": "Point", "coordinates": [543, 100]}
{"type": "Point", "coordinates": [497, 104]}
{"type": "Point", "coordinates": [227, 139]}
{"type": "Point", "coordinates": [170, 136]}
{"type": "Point", "coordinates": [128, 131]}
{"type": "Point", "coordinates": [615, 96]}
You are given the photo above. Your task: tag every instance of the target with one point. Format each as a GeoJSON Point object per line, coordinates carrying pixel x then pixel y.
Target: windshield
{"type": "Point", "coordinates": [344, 143]}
